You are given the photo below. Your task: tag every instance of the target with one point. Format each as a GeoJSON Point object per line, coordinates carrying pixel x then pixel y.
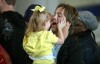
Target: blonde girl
{"type": "Point", "coordinates": [38, 41]}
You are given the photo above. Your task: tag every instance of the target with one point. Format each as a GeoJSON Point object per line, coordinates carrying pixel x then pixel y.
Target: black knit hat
{"type": "Point", "coordinates": [28, 12]}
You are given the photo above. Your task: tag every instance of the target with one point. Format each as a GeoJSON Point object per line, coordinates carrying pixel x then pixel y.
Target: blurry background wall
{"type": "Point", "coordinates": [92, 5]}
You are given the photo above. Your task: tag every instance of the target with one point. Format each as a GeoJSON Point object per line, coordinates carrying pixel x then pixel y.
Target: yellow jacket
{"type": "Point", "coordinates": [39, 43]}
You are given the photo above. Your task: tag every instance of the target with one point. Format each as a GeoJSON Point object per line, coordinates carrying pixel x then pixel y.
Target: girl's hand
{"type": "Point", "coordinates": [61, 22]}
{"type": "Point", "coordinates": [68, 25]}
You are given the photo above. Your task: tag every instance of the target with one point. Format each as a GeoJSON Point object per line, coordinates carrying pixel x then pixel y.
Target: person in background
{"type": "Point", "coordinates": [38, 41]}
{"type": "Point", "coordinates": [12, 28]}
{"type": "Point", "coordinates": [4, 56]}
{"type": "Point", "coordinates": [84, 32]}
{"type": "Point", "coordinates": [70, 52]}
{"type": "Point", "coordinates": [29, 12]}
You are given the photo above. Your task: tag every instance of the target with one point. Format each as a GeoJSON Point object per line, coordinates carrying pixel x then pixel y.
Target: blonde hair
{"type": "Point", "coordinates": [36, 21]}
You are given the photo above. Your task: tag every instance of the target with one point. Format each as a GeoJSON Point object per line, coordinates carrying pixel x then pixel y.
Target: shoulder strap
{"type": "Point", "coordinates": [93, 35]}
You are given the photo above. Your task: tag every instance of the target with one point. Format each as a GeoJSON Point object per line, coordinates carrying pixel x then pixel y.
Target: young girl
{"type": "Point", "coordinates": [38, 41]}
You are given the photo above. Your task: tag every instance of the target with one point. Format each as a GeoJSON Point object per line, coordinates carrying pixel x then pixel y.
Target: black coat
{"type": "Point", "coordinates": [11, 36]}
{"type": "Point", "coordinates": [88, 44]}
{"type": "Point", "coordinates": [70, 52]}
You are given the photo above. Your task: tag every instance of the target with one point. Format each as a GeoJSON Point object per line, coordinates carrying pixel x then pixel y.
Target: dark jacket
{"type": "Point", "coordinates": [70, 52]}
{"type": "Point", "coordinates": [88, 44]}
{"type": "Point", "coordinates": [11, 36]}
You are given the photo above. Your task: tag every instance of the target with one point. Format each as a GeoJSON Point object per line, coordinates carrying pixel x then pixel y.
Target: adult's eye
{"type": "Point", "coordinates": [59, 15]}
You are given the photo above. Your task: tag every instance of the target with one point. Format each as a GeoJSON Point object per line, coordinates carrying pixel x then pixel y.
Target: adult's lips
{"type": "Point", "coordinates": [54, 24]}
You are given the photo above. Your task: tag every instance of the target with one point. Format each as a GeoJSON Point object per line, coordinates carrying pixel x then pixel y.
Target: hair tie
{"type": "Point", "coordinates": [39, 8]}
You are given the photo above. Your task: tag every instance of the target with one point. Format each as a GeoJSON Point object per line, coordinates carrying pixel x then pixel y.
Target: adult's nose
{"type": "Point", "coordinates": [55, 16]}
